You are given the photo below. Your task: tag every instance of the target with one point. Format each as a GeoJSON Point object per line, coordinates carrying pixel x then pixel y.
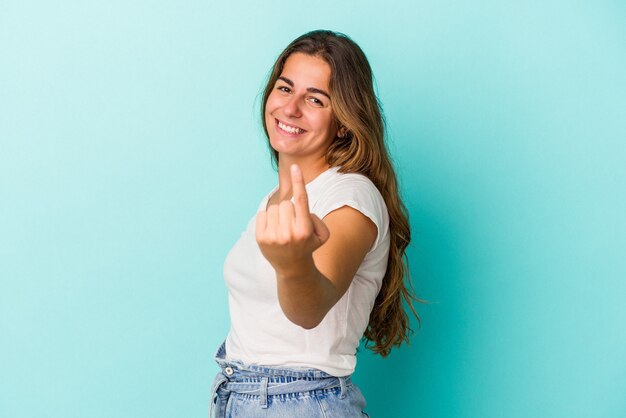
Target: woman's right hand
{"type": "Point", "coordinates": [288, 233]}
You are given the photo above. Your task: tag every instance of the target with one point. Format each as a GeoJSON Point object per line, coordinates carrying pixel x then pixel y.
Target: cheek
{"type": "Point", "coordinates": [269, 109]}
{"type": "Point", "coordinates": [324, 122]}
{"type": "Point", "coordinates": [268, 115]}
{"type": "Point", "coordinates": [274, 101]}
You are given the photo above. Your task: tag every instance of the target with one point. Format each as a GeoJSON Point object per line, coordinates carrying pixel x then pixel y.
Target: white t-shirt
{"type": "Point", "coordinates": [260, 333]}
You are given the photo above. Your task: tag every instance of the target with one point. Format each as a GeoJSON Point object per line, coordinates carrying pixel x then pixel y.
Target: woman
{"type": "Point", "coordinates": [321, 264]}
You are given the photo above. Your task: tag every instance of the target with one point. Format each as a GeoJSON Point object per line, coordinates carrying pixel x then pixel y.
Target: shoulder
{"type": "Point", "coordinates": [360, 181]}
{"type": "Point", "coordinates": [354, 190]}
{"type": "Point", "coordinates": [344, 187]}
{"type": "Point", "coordinates": [338, 183]}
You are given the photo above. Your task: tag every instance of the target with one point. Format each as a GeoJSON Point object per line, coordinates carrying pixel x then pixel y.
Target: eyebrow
{"type": "Point", "coordinates": [310, 89]}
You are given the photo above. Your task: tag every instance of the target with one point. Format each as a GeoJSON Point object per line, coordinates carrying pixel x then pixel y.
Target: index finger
{"type": "Point", "coordinates": [300, 197]}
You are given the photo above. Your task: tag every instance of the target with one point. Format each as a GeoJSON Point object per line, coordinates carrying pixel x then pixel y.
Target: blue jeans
{"type": "Point", "coordinates": [251, 391]}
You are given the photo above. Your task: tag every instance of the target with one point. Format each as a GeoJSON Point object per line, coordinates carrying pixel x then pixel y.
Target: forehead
{"type": "Point", "coordinates": [307, 70]}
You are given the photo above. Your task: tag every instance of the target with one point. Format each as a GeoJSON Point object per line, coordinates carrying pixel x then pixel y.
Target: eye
{"type": "Point", "coordinates": [316, 101]}
{"type": "Point", "coordinates": [284, 89]}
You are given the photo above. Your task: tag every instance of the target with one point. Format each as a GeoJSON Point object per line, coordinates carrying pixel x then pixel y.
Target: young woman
{"type": "Point", "coordinates": [322, 263]}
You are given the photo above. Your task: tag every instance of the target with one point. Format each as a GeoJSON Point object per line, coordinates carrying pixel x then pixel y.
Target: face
{"type": "Point", "coordinates": [298, 114]}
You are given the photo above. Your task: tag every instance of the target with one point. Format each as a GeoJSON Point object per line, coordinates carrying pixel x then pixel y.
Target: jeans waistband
{"type": "Point", "coordinates": [264, 381]}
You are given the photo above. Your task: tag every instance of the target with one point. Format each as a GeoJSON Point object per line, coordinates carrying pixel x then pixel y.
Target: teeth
{"type": "Point", "coordinates": [290, 129]}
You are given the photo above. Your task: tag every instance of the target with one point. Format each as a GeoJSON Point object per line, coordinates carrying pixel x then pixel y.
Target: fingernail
{"type": "Point", "coordinates": [295, 169]}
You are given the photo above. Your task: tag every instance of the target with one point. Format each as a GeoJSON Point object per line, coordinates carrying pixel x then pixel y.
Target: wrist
{"type": "Point", "coordinates": [301, 269]}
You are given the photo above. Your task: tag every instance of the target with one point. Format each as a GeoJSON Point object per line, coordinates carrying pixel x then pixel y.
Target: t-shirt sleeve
{"type": "Point", "coordinates": [360, 193]}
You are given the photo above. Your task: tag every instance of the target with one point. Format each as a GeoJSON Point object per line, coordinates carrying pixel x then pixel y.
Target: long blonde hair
{"type": "Point", "coordinates": [362, 150]}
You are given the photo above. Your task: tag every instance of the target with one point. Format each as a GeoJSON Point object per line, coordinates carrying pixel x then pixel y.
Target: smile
{"type": "Point", "coordinates": [288, 129]}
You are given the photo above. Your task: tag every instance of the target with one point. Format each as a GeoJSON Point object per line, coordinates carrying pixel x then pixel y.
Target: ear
{"type": "Point", "coordinates": [342, 132]}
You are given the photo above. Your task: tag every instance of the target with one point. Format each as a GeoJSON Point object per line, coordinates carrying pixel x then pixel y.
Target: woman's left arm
{"type": "Point", "coordinates": [314, 260]}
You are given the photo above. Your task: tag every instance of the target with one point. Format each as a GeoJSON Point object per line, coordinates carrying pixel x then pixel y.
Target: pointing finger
{"type": "Point", "coordinates": [300, 197]}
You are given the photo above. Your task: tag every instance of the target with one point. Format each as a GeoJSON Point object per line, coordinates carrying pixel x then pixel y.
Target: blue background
{"type": "Point", "coordinates": [131, 158]}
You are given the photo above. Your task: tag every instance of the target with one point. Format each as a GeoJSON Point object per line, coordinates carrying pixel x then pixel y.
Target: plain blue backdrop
{"type": "Point", "coordinates": [131, 158]}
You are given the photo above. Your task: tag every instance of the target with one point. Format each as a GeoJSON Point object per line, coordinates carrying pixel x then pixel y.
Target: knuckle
{"type": "Point", "coordinates": [302, 199]}
{"type": "Point", "coordinates": [301, 235]}
{"type": "Point", "coordinates": [285, 237]}
{"type": "Point", "coordinates": [270, 238]}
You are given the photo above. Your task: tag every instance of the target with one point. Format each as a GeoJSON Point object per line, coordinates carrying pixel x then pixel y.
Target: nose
{"type": "Point", "coordinates": [292, 108]}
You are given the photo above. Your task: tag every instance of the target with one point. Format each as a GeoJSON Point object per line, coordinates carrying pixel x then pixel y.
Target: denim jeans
{"type": "Point", "coordinates": [250, 391]}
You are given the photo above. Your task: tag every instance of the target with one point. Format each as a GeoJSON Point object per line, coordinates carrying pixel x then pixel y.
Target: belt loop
{"type": "Point", "coordinates": [220, 379]}
{"type": "Point", "coordinates": [342, 384]}
{"type": "Point", "coordinates": [263, 393]}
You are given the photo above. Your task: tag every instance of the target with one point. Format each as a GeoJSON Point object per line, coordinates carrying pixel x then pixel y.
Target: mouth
{"type": "Point", "coordinates": [288, 130]}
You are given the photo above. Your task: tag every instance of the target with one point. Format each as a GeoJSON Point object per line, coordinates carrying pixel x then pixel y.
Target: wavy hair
{"type": "Point", "coordinates": [362, 150]}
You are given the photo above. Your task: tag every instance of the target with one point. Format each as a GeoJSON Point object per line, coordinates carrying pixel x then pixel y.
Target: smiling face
{"type": "Point", "coordinates": [298, 115]}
